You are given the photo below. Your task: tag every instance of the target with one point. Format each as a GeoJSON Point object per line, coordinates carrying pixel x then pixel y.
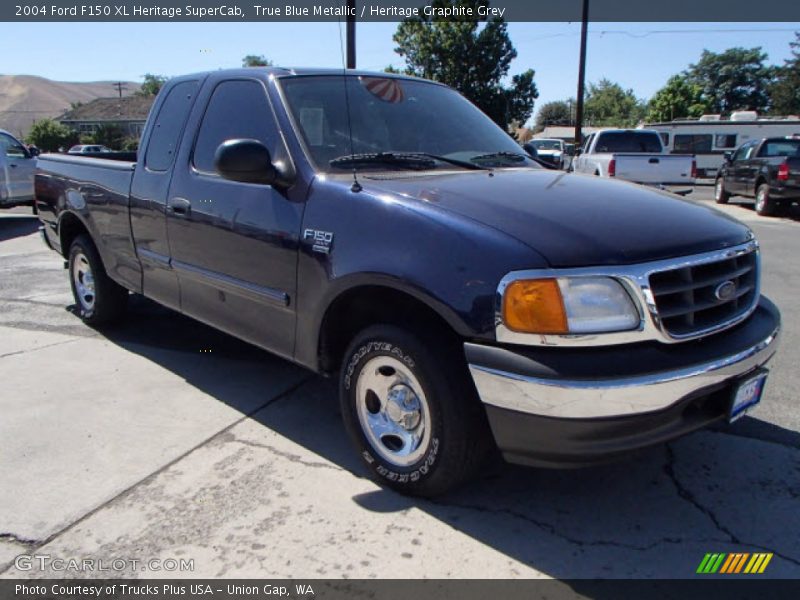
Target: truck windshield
{"type": "Point", "coordinates": [395, 124]}
{"type": "Point", "coordinates": [628, 141]}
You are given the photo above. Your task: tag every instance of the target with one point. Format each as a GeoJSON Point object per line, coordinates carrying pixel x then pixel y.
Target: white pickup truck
{"type": "Point", "coordinates": [635, 155]}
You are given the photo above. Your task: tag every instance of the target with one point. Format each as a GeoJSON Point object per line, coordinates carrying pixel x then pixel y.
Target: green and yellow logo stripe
{"type": "Point", "coordinates": [733, 563]}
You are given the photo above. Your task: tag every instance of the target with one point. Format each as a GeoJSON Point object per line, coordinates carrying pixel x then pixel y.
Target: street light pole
{"type": "Point", "coordinates": [351, 34]}
{"type": "Point", "coordinates": [581, 76]}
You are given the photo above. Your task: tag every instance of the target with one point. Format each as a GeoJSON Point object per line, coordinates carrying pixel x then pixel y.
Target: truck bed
{"type": "Point", "coordinates": [654, 168]}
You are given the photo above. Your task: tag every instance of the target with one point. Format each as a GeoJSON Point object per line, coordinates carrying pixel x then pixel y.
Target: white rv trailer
{"type": "Point", "coordinates": [710, 136]}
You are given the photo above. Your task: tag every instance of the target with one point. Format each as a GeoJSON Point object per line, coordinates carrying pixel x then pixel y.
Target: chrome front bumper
{"type": "Point", "coordinates": [516, 382]}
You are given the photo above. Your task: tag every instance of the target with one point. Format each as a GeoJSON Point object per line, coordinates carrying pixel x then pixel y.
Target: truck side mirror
{"type": "Point", "coordinates": [728, 156]}
{"type": "Point", "coordinates": [578, 152]}
{"type": "Point", "coordinates": [244, 160]}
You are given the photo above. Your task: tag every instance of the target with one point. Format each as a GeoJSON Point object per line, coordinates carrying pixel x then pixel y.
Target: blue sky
{"type": "Point", "coordinates": [640, 56]}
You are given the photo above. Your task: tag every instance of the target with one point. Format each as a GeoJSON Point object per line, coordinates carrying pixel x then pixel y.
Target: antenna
{"type": "Point", "coordinates": [356, 185]}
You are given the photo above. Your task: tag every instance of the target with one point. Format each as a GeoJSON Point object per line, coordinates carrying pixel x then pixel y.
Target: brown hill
{"type": "Point", "coordinates": [26, 98]}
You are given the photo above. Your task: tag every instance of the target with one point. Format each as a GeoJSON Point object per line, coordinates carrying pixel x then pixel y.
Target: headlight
{"type": "Point", "coordinates": [568, 305]}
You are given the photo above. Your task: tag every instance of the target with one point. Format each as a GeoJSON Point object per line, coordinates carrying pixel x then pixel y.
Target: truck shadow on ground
{"type": "Point", "coordinates": [14, 226]}
{"type": "Point", "coordinates": [654, 515]}
{"type": "Point", "coordinates": [791, 213]}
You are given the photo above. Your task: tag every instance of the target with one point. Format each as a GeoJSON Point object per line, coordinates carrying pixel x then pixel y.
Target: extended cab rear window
{"type": "Point", "coordinates": [168, 125]}
{"type": "Point", "coordinates": [628, 141]}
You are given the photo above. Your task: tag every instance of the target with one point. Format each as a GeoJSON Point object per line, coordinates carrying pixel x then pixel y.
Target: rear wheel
{"type": "Point", "coordinates": [99, 299]}
{"type": "Point", "coordinates": [765, 206]}
{"type": "Point", "coordinates": [720, 195]}
{"type": "Point", "coordinates": [411, 412]}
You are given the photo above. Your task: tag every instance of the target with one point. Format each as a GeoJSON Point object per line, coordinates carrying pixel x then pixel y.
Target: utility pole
{"type": "Point", "coordinates": [351, 34]}
{"type": "Point", "coordinates": [581, 76]}
{"type": "Point", "coordinates": [119, 85]}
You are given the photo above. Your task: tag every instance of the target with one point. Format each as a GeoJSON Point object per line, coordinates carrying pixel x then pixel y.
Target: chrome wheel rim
{"type": "Point", "coordinates": [719, 190]}
{"type": "Point", "coordinates": [83, 278]}
{"type": "Point", "coordinates": [393, 411]}
{"type": "Point", "coordinates": [760, 201]}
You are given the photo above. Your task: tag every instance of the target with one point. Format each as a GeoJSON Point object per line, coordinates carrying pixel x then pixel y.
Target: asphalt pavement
{"type": "Point", "coordinates": [165, 440]}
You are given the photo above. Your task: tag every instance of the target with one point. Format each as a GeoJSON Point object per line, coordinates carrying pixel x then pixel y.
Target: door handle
{"type": "Point", "coordinates": [13, 165]}
{"type": "Point", "coordinates": [654, 161]}
{"type": "Point", "coordinates": [179, 206]}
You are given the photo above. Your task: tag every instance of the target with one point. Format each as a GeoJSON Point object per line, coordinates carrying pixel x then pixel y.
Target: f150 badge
{"type": "Point", "coordinates": [321, 240]}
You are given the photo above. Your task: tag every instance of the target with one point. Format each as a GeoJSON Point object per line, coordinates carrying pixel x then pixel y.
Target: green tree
{"type": "Point", "coordinates": [49, 135]}
{"type": "Point", "coordinates": [736, 79]}
{"type": "Point", "coordinates": [256, 60]}
{"type": "Point", "coordinates": [553, 113]}
{"type": "Point", "coordinates": [472, 55]}
{"type": "Point", "coordinates": [785, 91]}
{"type": "Point", "coordinates": [109, 135]}
{"type": "Point", "coordinates": [677, 99]}
{"type": "Point", "coordinates": [151, 85]}
{"type": "Point", "coordinates": [607, 104]}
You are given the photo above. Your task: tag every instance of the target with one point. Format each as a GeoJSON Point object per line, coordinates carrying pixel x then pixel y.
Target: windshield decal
{"type": "Point", "coordinates": [384, 88]}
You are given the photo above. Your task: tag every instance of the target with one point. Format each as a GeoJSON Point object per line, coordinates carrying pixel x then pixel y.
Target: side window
{"type": "Point", "coordinates": [237, 109]}
{"type": "Point", "coordinates": [164, 137]}
{"type": "Point", "coordinates": [739, 154]}
{"type": "Point", "coordinates": [588, 143]}
{"type": "Point", "coordinates": [11, 147]}
{"type": "Point", "coordinates": [692, 144]}
{"type": "Point", "coordinates": [748, 153]}
{"type": "Point", "coordinates": [725, 140]}
{"type": "Point", "coordinates": [664, 138]}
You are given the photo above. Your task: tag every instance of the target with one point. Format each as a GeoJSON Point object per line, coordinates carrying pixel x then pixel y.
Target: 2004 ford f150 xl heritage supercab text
{"type": "Point", "coordinates": [383, 228]}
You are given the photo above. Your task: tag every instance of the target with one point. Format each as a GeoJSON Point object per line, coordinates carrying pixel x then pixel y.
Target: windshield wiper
{"type": "Point", "coordinates": [410, 160]}
{"type": "Point", "coordinates": [512, 156]}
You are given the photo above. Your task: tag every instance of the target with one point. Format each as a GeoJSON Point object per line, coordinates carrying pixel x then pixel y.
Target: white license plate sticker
{"type": "Point", "coordinates": [747, 395]}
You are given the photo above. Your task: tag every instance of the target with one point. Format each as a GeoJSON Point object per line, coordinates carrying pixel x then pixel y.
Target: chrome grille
{"type": "Point", "coordinates": [705, 297]}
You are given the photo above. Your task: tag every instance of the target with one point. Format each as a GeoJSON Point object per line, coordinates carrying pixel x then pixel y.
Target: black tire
{"type": "Point", "coordinates": [454, 439]}
{"type": "Point", "coordinates": [765, 206]}
{"type": "Point", "coordinates": [720, 195]}
{"type": "Point", "coordinates": [98, 299]}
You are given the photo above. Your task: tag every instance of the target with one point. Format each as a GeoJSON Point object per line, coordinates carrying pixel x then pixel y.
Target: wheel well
{"type": "Point", "coordinates": [69, 228]}
{"type": "Point", "coordinates": [759, 182]}
{"type": "Point", "coordinates": [363, 306]}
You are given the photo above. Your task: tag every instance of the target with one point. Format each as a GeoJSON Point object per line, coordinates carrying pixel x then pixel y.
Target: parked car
{"type": "Point", "coordinates": [17, 164]}
{"type": "Point", "coordinates": [552, 151]}
{"type": "Point", "coordinates": [382, 229]}
{"type": "Point", "coordinates": [635, 155]}
{"type": "Point", "coordinates": [767, 170]}
{"type": "Point", "coordinates": [89, 149]}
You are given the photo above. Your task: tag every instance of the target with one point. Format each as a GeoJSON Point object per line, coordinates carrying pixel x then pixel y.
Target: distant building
{"type": "Point", "coordinates": [564, 133]}
{"type": "Point", "coordinates": [129, 113]}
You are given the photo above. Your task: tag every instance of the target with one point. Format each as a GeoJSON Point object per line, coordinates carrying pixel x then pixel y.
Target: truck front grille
{"type": "Point", "coordinates": [703, 298]}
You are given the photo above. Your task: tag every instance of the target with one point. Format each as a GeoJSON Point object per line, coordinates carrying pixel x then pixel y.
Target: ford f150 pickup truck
{"type": "Point", "coordinates": [634, 155]}
{"type": "Point", "coordinates": [383, 229]}
{"type": "Point", "coordinates": [767, 170]}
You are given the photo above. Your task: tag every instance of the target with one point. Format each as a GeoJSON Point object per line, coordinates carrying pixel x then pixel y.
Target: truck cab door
{"type": "Point", "coordinates": [20, 166]}
{"type": "Point", "coordinates": [148, 198]}
{"type": "Point", "coordinates": [234, 245]}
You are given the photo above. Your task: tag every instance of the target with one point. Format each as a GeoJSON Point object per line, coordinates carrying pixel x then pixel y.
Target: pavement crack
{"type": "Point", "coordinates": [16, 539]}
{"type": "Point", "coordinates": [294, 458]}
{"type": "Point", "coordinates": [18, 352]}
{"type": "Point", "coordinates": [686, 494]}
{"type": "Point", "coordinates": [551, 529]}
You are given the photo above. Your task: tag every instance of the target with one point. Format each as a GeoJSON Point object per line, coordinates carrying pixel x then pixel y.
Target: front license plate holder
{"type": "Point", "coordinates": [746, 394]}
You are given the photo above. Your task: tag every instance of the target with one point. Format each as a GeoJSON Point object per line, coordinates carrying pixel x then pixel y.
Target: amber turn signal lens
{"type": "Point", "coordinates": [534, 306]}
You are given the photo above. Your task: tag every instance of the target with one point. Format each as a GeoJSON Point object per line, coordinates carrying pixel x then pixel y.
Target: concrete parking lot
{"type": "Point", "coordinates": [164, 439]}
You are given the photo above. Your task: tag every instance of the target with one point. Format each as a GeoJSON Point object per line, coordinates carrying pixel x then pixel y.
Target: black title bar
{"type": "Point", "coordinates": [396, 10]}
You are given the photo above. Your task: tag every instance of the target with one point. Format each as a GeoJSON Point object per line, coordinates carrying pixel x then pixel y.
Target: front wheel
{"type": "Point", "coordinates": [721, 196]}
{"type": "Point", "coordinates": [98, 298]}
{"type": "Point", "coordinates": [765, 206]}
{"type": "Point", "coordinates": [413, 416]}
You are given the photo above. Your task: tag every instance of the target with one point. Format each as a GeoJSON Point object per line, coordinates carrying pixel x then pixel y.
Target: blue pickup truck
{"type": "Point", "coordinates": [382, 230]}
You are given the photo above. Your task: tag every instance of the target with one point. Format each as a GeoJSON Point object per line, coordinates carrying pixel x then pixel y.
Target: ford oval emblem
{"type": "Point", "coordinates": [725, 291]}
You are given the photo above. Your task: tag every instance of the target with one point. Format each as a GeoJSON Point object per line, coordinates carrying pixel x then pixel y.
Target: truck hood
{"type": "Point", "coordinates": [572, 220]}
